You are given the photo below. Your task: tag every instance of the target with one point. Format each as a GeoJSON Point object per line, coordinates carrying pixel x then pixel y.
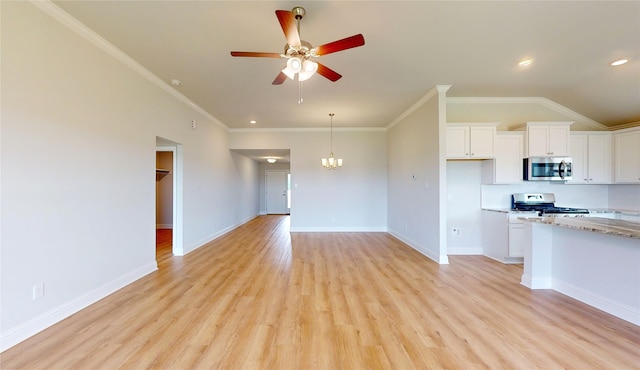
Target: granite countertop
{"type": "Point", "coordinates": [505, 210]}
{"type": "Point", "coordinates": [609, 226]}
{"type": "Point", "coordinates": [630, 212]}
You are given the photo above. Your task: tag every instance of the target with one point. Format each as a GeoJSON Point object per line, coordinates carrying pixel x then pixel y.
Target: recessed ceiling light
{"type": "Point", "coordinates": [619, 62]}
{"type": "Point", "coordinates": [253, 122]}
{"type": "Point", "coordinates": [175, 82]}
{"type": "Point", "coordinates": [525, 62]}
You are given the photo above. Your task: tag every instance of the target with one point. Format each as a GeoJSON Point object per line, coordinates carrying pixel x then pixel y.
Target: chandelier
{"type": "Point", "coordinates": [331, 163]}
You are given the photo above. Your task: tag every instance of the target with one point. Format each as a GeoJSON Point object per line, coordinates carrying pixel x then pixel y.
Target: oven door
{"type": "Point", "coordinates": [547, 168]}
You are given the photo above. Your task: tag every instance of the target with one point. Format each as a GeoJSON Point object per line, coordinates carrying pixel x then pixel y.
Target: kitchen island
{"type": "Point", "coordinates": [594, 260]}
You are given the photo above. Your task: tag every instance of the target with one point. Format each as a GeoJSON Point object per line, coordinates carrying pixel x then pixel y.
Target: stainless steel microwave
{"type": "Point", "coordinates": [547, 168]}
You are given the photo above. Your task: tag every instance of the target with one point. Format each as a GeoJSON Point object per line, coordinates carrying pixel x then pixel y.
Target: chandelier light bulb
{"type": "Point", "coordinates": [330, 162]}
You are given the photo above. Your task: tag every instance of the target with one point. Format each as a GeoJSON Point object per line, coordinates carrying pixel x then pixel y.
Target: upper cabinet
{"type": "Point", "coordinates": [548, 139]}
{"type": "Point", "coordinates": [475, 140]}
{"type": "Point", "coordinates": [627, 156]}
{"type": "Point", "coordinates": [591, 153]}
{"type": "Point", "coordinates": [506, 168]}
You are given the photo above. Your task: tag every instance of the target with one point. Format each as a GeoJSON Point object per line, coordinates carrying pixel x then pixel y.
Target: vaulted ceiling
{"type": "Point", "coordinates": [410, 47]}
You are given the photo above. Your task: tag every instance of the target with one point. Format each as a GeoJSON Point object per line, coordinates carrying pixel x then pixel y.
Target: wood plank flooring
{"type": "Point", "coordinates": [262, 298]}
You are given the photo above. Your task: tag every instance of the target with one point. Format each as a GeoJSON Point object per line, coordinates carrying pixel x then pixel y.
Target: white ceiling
{"type": "Point", "coordinates": [411, 46]}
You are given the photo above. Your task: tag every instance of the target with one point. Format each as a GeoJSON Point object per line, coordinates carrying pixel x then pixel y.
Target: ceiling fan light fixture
{"type": "Point", "coordinates": [294, 65]}
{"type": "Point", "coordinates": [289, 73]}
{"type": "Point", "coordinates": [309, 68]}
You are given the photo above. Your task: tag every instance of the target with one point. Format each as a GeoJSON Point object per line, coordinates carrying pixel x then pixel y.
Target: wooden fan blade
{"type": "Point", "coordinates": [328, 73]}
{"type": "Point", "coordinates": [280, 78]}
{"type": "Point", "coordinates": [346, 43]}
{"type": "Point", "coordinates": [254, 54]}
{"type": "Point", "coordinates": [288, 24]}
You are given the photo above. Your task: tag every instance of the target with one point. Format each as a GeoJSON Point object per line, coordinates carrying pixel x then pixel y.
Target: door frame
{"type": "Point", "coordinates": [266, 189]}
{"type": "Point", "coordinates": [178, 221]}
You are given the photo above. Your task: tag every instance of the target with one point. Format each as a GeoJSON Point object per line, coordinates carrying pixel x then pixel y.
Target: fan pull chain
{"type": "Point", "coordinates": [300, 91]}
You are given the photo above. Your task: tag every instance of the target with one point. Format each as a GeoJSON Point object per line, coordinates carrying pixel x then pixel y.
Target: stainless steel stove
{"type": "Point", "coordinates": [544, 204]}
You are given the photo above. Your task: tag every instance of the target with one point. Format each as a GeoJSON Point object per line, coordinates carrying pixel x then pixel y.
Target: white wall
{"type": "Point", "coordinates": [79, 134]}
{"type": "Point", "coordinates": [415, 168]}
{"type": "Point", "coordinates": [352, 198]}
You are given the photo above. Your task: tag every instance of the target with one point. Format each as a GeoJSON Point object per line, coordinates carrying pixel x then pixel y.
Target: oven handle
{"type": "Point", "coordinates": [562, 169]}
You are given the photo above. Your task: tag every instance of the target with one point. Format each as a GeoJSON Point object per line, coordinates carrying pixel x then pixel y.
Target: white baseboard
{"type": "Point", "coordinates": [537, 283]}
{"type": "Point", "coordinates": [444, 260]}
{"type": "Point", "coordinates": [338, 229]}
{"type": "Point", "coordinates": [464, 251]}
{"type": "Point", "coordinates": [164, 226]}
{"type": "Point", "coordinates": [507, 260]}
{"type": "Point", "coordinates": [617, 309]}
{"type": "Point", "coordinates": [193, 246]}
{"type": "Point", "coordinates": [16, 335]}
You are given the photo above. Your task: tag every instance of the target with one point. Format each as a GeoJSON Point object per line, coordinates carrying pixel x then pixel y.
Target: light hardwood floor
{"type": "Point", "coordinates": [262, 298]}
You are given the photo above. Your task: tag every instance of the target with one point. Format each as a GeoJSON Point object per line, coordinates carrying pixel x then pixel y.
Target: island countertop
{"type": "Point", "coordinates": [628, 229]}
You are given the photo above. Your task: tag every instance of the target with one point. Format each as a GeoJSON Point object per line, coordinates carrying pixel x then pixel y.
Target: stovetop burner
{"type": "Point", "coordinates": [543, 203]}
{"type": "Point", "coordinates": [557, 210]}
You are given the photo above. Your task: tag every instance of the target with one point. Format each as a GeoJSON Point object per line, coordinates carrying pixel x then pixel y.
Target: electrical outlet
{"type": "Point", "coordinates": [38, 291]}
{"type": "Point", "coordinates": [456, 231]}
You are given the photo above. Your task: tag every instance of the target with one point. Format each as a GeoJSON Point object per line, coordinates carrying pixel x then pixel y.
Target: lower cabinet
{"type": "Point", "coordinates": [503, 235]}
{"type": "Point", "coordinates": [516, 239]}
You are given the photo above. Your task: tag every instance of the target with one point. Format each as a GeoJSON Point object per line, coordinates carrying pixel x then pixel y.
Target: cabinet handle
{"type": "Point", "coordinates": [473, 153]}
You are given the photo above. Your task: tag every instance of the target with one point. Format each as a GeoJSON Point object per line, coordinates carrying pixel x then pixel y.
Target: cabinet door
{"type": "Point", "coordinates": [579, 155]}
{"type": "Point", "coordinates": [481, 142]}
{"type": "Point", "coordinates": [457, 142]}
{"type": "Point", "coordinates": [598, 159]}
{"type": "Point", "coordinates": [558, 141]}
{"type": "Point", "coordinates": [627, 159]}
{"type": "Point", "coordinates": [516, 240]}
{"type": "Point", "coordinates": [508, 159]}
{"type": "Point", "coordinates": [537, 141]}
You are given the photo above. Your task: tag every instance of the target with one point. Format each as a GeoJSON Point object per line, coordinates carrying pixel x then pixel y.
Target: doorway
{"type": "Point", "coordinates": [278, 192]}
{"type": "Point", "coordinates": [169, 220]}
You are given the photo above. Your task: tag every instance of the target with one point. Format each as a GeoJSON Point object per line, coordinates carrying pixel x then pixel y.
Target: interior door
{"type": "Point", "coordinates": [276, 187]}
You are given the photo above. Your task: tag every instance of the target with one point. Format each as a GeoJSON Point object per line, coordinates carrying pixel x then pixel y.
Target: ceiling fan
{"type": "Point", "coordinates": [299, 52]}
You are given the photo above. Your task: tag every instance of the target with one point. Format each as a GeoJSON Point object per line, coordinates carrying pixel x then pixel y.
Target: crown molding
{"type": "Point", "coordinates": [625, 126]}
{"type": "Point", "coordinates": [78, 27]}
{"type": "Point", "coordinates": [430, 94]}
{"type": "Point", "coordinates": [573, 115]}
{"type": "Point", "coordinates": [307, 129]}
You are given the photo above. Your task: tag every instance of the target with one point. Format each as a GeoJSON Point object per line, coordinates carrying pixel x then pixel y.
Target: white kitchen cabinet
{"type": "Point", "coordinates": [517, 238]}
{"type": "Point", "coordinates": [627, 156]}
{"type": "Point", "coordinates": [517, 234]}
{"type": "Point", "coordinates": [506, 167]}
{"type": "Point", "coordinates": [547, 139]}
{"type": "Point", "coordinates": [503, 235]}
{"type": "Point", "coordinates": [465, 141]}
{"type": "Point", "coordinates": [591, 153]}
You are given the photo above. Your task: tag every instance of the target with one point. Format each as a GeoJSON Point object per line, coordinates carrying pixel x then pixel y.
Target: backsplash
{"type": "Point", "coordinates": [579, 196]}
{"type": "Point", "coordinates": [624, 197]}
